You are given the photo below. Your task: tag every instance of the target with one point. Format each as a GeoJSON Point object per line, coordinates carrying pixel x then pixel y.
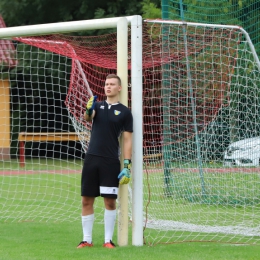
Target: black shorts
{"type": "Point", "coordinates": [100, 176]}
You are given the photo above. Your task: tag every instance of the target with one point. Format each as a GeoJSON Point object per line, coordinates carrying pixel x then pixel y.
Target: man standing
{"type": "Point", "coordinates": [101, 169]}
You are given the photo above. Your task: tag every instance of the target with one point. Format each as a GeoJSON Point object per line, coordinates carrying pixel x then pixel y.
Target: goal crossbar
{"type": "Point", "coordinates": [64, 27]}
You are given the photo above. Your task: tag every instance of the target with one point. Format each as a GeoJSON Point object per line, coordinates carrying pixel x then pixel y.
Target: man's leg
{"type": "Point", "coordinates": [109, 218]}
{"type": "Point", "coordinates": [87, 219]}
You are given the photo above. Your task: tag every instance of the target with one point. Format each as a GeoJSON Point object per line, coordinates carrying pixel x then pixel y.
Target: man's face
{"type": "Point", "coordinates": [112, 88]}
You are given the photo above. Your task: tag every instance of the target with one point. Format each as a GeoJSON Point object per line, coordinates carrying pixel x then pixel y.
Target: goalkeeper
{"type": "Point", "coordinates": [101, 173]}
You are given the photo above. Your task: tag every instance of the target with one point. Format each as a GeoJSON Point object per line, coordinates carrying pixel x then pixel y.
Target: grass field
{"type": "Point", "coordinates": [40, 218]}
{"type": "Point", "coordinates": [58, 241]}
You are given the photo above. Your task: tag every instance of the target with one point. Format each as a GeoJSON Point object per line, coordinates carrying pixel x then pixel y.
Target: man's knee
{"type": "Point", "coordinates": [87, 201]}
{"type": "Point", "coordinates": [110, 204]}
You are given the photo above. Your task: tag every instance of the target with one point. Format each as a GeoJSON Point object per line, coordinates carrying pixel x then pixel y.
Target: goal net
{"type": "Point", "coordinates": [200, 96]}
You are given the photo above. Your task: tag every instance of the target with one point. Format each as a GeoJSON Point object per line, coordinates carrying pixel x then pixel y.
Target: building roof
{"type": "Point", "coordinates": [7, 50]}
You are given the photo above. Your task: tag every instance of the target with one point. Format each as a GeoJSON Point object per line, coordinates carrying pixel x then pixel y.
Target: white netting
{"type": "Point", "coordinates": [200, 96]}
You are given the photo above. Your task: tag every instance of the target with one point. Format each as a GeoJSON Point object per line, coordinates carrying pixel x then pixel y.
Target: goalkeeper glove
{"type": "Point", "coordinates": [91, 105]}
{"type": "Point", "coordinates": [124, 176]}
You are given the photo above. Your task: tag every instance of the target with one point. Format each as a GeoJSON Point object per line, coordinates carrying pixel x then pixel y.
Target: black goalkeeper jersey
{"type": "Point", "coordinates": [108, 123]}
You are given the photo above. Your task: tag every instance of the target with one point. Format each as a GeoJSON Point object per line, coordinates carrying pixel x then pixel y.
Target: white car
{"type": "Point", "coordinates": [245, 152]}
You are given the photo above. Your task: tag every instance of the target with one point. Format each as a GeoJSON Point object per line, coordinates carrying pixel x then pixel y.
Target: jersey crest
{"type": "Point", "coordinates": [116, 112]}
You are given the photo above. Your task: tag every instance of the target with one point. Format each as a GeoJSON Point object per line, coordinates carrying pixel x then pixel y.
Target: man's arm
{"type": "Point", "coordinates": [127, 145]}
{"type": "Point", "coordinates": [125, 176]}
{"type": "Point", "coordinates": [90, 109]}
{"type": "Point", "coordinates": [89, 118]}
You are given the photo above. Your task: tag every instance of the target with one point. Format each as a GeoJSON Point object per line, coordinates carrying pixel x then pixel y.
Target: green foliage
{"type": "Point", "coordinates": [150, 10]}
{"type": "Point", "coordinates": [27, 12]}
{"type": "Point", "coordinates": [30, 12]}
{"type": "Point", "coordinates": [243, 13]}
{"type": "Point", "coordinates": [218, 12]}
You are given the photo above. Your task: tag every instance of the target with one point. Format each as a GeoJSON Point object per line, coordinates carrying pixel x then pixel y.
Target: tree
{"type": "Point", "coordinates": [151, 9]}
{"type": "Point", "coordinates": [28, 12]}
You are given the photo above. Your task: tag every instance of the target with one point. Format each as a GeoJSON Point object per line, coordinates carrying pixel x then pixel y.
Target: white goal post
{"type": "Point", "coordinates": [121, 23]}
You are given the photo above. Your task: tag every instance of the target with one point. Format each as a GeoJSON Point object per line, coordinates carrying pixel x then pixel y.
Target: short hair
{"type": "Point", "coordinates": [114, 76]}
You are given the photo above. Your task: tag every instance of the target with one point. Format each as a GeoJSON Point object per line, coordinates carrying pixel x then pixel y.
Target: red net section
{"type": "Point", "coordinates": [181, 65]}
{"type": "Point", "coordinates": [92, 59]}
{"type": "Point", "coordinates": [7, 50]}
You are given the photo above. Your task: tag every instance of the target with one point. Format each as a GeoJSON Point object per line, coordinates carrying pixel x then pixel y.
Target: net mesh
{"type": "Point", "coordinates": [243, 13]}
{"type": "Point", "coordinates": [200, 95]}
{"type": "Point", "coordinates": [203, 85]}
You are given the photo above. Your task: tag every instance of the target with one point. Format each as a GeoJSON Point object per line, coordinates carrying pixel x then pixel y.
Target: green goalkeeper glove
{"type": "Point", "coordinates": [91, 105]}
{"type": "Point", "coordinates": [124, 176]}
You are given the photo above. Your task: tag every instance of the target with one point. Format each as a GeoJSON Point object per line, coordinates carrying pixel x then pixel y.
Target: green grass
{"type": "Point", "coordinates": [37, 164]}
{"type": "Point", "coordinates": [40, 215]}
{"type": "Point", "coordinates": [54, 241]}
{"type": "Point", "coordinates": [230, 197]}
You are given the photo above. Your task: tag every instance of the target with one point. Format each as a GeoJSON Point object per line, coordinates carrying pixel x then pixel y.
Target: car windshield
{"type": "Point", "coordinates": [244, 148]}
{"type": "Point", "coordinates": [234, 148]}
